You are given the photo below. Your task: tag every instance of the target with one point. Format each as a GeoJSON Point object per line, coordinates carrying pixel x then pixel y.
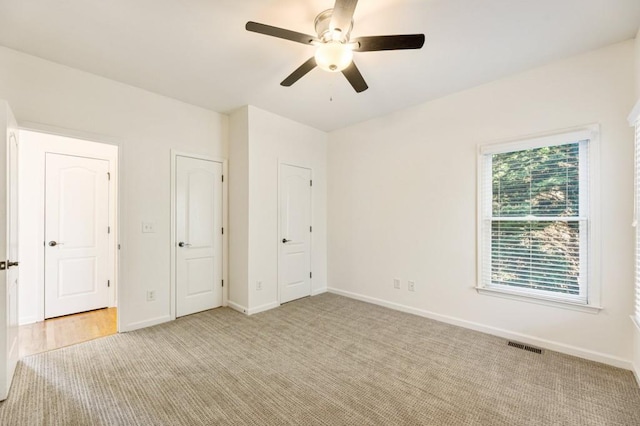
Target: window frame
{"type": "Point", "coordinates": [560, 137]}
{"type": "Point", "coordinates": [634, 121]}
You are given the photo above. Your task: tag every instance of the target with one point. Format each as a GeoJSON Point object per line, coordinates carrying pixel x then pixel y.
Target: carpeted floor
{"type": "Point", "coordinates": [322, 360]}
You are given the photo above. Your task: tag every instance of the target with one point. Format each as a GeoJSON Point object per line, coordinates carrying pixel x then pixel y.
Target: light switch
{"type": "Point", "coordinates": [148, 227]}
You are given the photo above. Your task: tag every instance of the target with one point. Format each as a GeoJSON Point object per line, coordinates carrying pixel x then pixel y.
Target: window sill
{"type": "Point", "coordinates": [591, 309]}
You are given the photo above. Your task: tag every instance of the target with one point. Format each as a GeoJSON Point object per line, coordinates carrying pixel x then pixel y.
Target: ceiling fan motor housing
{"type": "Point", "coordinates": [334, 49]}
{"type": "Point", "coordinates": [324, 30]}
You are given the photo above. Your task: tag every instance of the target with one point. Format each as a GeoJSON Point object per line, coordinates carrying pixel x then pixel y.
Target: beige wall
{"type": "Point", "coordinates": [146, 126]}
{"type": "Point", "coordinates": [402, 202]}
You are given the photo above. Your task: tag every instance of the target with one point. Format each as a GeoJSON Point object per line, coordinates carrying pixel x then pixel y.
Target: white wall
{"type": "Point", "coordinates": [146, 126]}
{"type": "Point", "coordinates": [239, 209]}
{"type": "Point", "coordinates": [637, 45]}
{"type": "Point", "coordinates": [33, 148]}
{"type": "Point", "coordinates": [402, 202]}
{"type": "Point", "coordinates": [636, 352]}
{"type": "Point", "coordinates": [636, 328]}
{"type": "Point", "coordinates": [272, 139]}
{"type": "Point", "coordinates": [260, 140]}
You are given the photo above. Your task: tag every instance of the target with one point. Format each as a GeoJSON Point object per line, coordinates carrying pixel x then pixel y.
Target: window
{"type": "Point", "coordinates": [536, 220]}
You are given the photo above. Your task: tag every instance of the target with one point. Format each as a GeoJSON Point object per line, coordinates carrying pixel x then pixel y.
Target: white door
{"type": "Point", "coordinates": [76, 234]}
{"type": "Point", "coordinates": [294, 260]}
{"type": "Point", "coordinates": [198, 235]}
{"type": "Point", "coordinates": [8, 248]}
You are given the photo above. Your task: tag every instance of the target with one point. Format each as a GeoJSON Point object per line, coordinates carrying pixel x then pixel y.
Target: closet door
{"type": "Point", "coordinates": [294, 259]}
{"type": "Point", "coordinates": [198, 235]}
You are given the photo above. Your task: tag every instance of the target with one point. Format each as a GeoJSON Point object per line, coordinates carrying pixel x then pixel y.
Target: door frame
{"type": "Point", "coordinates": [302, 165]}
{"type": "Point", "coordinates": [9, 336]}
{"type": "Point", "coordinates": [225, 236]}
{"type": "Point", "coordinates": [115, 202]}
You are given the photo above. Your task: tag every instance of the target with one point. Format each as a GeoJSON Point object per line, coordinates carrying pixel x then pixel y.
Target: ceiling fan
{"type": "Point", "coordinates": [334, 47]}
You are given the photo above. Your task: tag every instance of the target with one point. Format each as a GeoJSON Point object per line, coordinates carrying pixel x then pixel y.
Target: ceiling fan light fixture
{"type": "Point", "coordinates": [333, 56]}
{"type": "Point", "coordinates": [334, 47]}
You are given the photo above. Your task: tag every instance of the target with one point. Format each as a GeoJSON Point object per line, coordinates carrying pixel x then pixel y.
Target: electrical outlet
{"type": "Point", "coordinates": [411, 285]}
{"type": "Point", "coordinates": [258, 285]}
{"type": "Point", "coordinates": [148, 228]}
{"type": "Point", "coordinates": [396, 283]}
{"type": "Point", "coordinates": [151, 295]}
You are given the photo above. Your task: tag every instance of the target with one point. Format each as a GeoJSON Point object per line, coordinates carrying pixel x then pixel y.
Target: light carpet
{"type": "Point", "coordinates": [324, 360]}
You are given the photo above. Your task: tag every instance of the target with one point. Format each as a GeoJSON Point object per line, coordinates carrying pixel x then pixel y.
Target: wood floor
{"type": "Point", "coordinates": [68, 330]}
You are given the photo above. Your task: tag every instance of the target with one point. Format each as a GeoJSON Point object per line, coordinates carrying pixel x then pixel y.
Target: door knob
{"type": "Point", "coordinates": [53, 243]}
{"type": "Point", "coordinates": [10, 264]}
{"type": "Point", "coordinates": [284, 240]}
{"type": "Point", "coordinates": [183, 244]}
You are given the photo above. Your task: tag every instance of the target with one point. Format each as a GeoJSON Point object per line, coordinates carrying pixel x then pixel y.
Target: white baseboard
{"type": "Point", "coordinates": [142, 324]}
{"type": "Point", "coordinates": [27, 320]}
{"type": "Point", "coordinates": [266, 306]}
{"type": "Point", "coordinates": [263, 308]}
{"type": "Point", "coordinates": [318, 291]}
{"type": "Point", "coordinates": [252, 311]}
{"type": "Point", "coordinates": [237, 307]}
{"type": "Point", "coordinates": [499, 332]}
{"type": "Point", "coordinates": [635, 365]}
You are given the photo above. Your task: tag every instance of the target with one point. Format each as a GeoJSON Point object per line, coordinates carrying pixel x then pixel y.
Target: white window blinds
{"type": "Point", "coordinates": [535, 218]}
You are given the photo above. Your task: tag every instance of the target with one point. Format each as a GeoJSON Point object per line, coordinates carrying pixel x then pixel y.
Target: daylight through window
{"type": "Point", "coordinates": [535, 218]}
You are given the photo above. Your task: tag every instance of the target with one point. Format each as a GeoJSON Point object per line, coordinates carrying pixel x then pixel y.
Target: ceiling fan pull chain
{"type": "Point", "coordinates": [331, 90]}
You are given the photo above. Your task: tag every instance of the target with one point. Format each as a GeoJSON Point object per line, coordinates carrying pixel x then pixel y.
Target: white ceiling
{"type": "Point", "coordinates": [199, 52]}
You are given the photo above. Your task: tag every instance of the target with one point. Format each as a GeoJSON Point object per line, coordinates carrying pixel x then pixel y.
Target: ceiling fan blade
{"type": "Point", "coordinates": [343, 14]}
{"type": "Point", "coordinates": [355, 78]}
{"type": "Point", "coordinates": [256, 27]}
{"type": "Point", "coordinates": [388, 42]}
{"type": "Point", "coordinates": [300, 72]}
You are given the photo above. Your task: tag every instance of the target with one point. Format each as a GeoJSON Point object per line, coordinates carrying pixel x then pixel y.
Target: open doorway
{"type": "Point", "coordinates": [68, 246]}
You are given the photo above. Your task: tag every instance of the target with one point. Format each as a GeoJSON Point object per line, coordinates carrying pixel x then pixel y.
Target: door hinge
{"type": "Point", "coordinates": [118, 246]}
{"type": "Point", "coordinates": [311, 229]}
{"type": "Point", "coordinates": [108, 175]}
{"type": "Point", "coordinates": [310, 183]}
{"type": "Point", "coordinates": [310, 274]}
{"type": "Point", "coordinates": [223, 178]}
{"type": "Point", "coordinates": [108, 229]}
{"type": "Point", "coordinates": [222, 283]}
{"type": "Point", "coordinates": [222, 231]}
{"type": "Point", "coordinates": [108, 283]}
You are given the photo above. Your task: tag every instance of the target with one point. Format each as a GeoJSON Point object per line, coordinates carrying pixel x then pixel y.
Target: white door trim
{"type": "Point", "coordinates": [115, 203]}
{"type": "Point", "coordinates": [302, 165]}
{"type": "Point", "coordinates": [225, 226]}
{"type": "Point", "coordinates": [9, 278]}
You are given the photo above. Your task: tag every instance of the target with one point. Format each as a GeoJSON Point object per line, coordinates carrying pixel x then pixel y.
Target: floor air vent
{"type": "Point", "coordinates": [525, 347]}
